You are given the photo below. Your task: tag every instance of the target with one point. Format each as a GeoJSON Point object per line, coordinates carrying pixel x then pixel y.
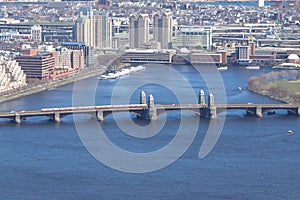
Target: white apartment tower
{"type": "Point", "coordinates": [261, 3]}
{"type": "Point", "coordinates": [242, 54]}
{"type": "Point", "coordinates": [162, 29]}
{"type": "Point", "coordinates": [36, 33]}
{"type": "Point", "coordinates": [138, 30]}
{"type": "Point", "coordinates": [94, 28]}
{"type": "Point", "coordinates": [11, 75]}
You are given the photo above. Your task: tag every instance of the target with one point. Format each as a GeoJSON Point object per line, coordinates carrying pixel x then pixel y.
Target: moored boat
{"type": "Point", "coordinates": [253, 67]}
{"type": "Point", "coordinates": [223, 68]}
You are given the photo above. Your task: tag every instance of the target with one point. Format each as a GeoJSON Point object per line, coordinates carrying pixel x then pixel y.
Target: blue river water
{"type": "Point", "coordinates": [254, 158]}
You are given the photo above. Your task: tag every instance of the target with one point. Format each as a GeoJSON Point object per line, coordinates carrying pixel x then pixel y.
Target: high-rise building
{"type": "Point", "coordinates": [162, 29]}
{"type": "Point", "coordinates": [242, 54]}
{"type": "Point", "coordinates": [193, 38]}
{"type": "Point", "coordinates": [82, 47]}
{"type": "Point", "coordinates": [77, 59]}
{"type": "Point", "coordinates": [36, 33]}
{"type": "Point", "coordinates": [261, 3]}
{"type": "Point", "coordinates": [138, 30]}
{"type": "Point", "coordinates": [94, 28]}
{"type": "Point", "coordinates": [68, 58]}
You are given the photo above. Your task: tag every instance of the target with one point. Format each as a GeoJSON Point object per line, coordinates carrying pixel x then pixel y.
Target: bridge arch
{"type": "Point", "coordinates": [134, 112]}
{"type": "Point", "coordinates": [162, 111]}
{"type": "Point", "coordinates": [247, 111]}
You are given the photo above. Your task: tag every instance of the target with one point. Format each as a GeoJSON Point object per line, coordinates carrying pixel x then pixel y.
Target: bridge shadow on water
{"type": "Point", "coordinates": [242, 113]}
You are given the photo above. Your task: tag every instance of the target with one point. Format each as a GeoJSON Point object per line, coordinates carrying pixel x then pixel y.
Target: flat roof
{"type": "Point", "coordinates": [74, 43]}
{"type": "Point", "coordinates": [149, 51]}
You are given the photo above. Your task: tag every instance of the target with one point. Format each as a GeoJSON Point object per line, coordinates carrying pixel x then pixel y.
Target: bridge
{"type": "Point", "coordinates": [148, 110]}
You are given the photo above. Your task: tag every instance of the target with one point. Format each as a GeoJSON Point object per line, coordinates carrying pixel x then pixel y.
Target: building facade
{"type": "Point", "coordinates": [60, 32]}
{"type": "Point", "coordinates": [162, 29]}
{"type": "Point", "coordinates": [242, 54]}
{"type": "Point", "coordinates": [36, 33]}
{"type": "Point", "coordinates": [77, 59]}
{"type": "Point", "coordinates": [81, 46]}
{"type": "Point", "coordinates": [11, 75]}
{"type": "Point", "coordinates": [138, 30]}
{"type": "Point", "coordinates": [193, 38]}
{"type": "Point", "coordinates": [261, 3]}
{"type": "Point", "coordinates": [147, 56]}
{"type": "Point", "coordinates": [94, 28]}
{"type": "Point", "coordinates": [206, 58]}
{"type": "Point", "coordinates": [40, 66]}
{"type": "Point", "coordinates": [68, 59]}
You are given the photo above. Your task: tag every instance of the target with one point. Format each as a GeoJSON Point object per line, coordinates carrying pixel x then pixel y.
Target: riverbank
{"type": "Point", "coordinates": [264, 93]}
{"type": "Point", "coordinates": [283, 86]}
{"type": "Point", "coordinates": [53, 84]}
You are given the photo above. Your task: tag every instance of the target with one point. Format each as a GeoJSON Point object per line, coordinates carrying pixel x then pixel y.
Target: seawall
{"type": "Point", "coordinates": [51, 85]}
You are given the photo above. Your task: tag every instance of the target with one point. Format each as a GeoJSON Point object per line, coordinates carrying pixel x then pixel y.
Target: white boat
{"type": "Point", "coordinates": [287, 66]}
{"type": "Point", "coordinates": [102, 77]}
{"type": "Point", "coordinates": [223, 68]}
{"type": "Point", "coordinates": [123, 72]}
{"type": "Point", "coordinates": [253, 67]}
{"type": "Point", "coordinates": [140, 67]}
{"type": "Point", "coordinates": [290, 132]}
{"type": "Point", "coordinates": [239, 88]}
{"type": "Point", "coordinates": [119, 73]}
{"type": "Point", "coordinates": [137, 68]}
{"type": "Point", "coordinates": [109, 76]}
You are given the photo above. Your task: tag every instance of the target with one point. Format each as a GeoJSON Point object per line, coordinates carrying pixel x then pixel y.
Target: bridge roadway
{"type": "Point", "coordinates": [227, 106]}
{"type": "Point", "coordinates": [211, 111]}
{"type": "Point", "coordinates": [148, 111]}
{"type": "Point", "coordinates": [55, 114]}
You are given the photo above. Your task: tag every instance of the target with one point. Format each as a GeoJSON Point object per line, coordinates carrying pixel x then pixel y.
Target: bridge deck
{"type": "Point", "coordinates": [227, 106]}
{"type": "Point", "coordinates": [142, 109]}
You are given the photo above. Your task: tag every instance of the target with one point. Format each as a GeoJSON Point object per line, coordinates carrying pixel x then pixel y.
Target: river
{"type": "Point", "coordinates": [253, 158]}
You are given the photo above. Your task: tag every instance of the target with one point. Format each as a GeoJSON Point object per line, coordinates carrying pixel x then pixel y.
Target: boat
{"type": "Point", "coordinates": [125, 71]}
{"type": "Point", "coordinates": [253, 67]}
{"type": "Point", "coordinates": [137, 68]}
{"type": "Point", "coordinates": [109, 76]}
{"type": "Point", "coordinates": [290, 132]}
{"type": "Point", "coordinates": [122, 72]}
{"type": "Point", "coordinates": [287, 66]}
{"type": "Point", "coordinates": [223, 68]}
{"type": "Point", "coordinates": [239, 88]}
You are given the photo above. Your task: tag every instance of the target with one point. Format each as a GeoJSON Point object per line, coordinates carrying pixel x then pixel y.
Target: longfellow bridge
{"type": "Point", "coordinates": [150, 111]}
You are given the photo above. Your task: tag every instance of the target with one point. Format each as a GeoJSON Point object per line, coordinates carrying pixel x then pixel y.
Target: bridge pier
{"type": "Point", "coordinates": [201, 98]}
{"type": "Point", "coordinates": [258, 111]}
{"type": "Point", "coordinates": [56, 117]}
{"type": "Point", "coordinates": [17, 118]}
{"type": "Point", "coordinates": [209, 112]}
{"type": "Point", "coordinates": [143, 98]}
{"type": "Point", "coordinates": [144, 114]}
{"type": "Point", "coordinates": [152, 115]}
{"type": "Point", "coordinates": [99, 115]}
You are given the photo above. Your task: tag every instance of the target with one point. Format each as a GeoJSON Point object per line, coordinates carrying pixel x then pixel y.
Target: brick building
{"type": "Point", "coordinates": [36, 65]}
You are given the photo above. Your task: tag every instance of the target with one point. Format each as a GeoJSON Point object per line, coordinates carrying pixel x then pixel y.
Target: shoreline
{"type": "Point", "coordinates": [275, 98]}
{"type": "Point", "coordinates": [88, 73]}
